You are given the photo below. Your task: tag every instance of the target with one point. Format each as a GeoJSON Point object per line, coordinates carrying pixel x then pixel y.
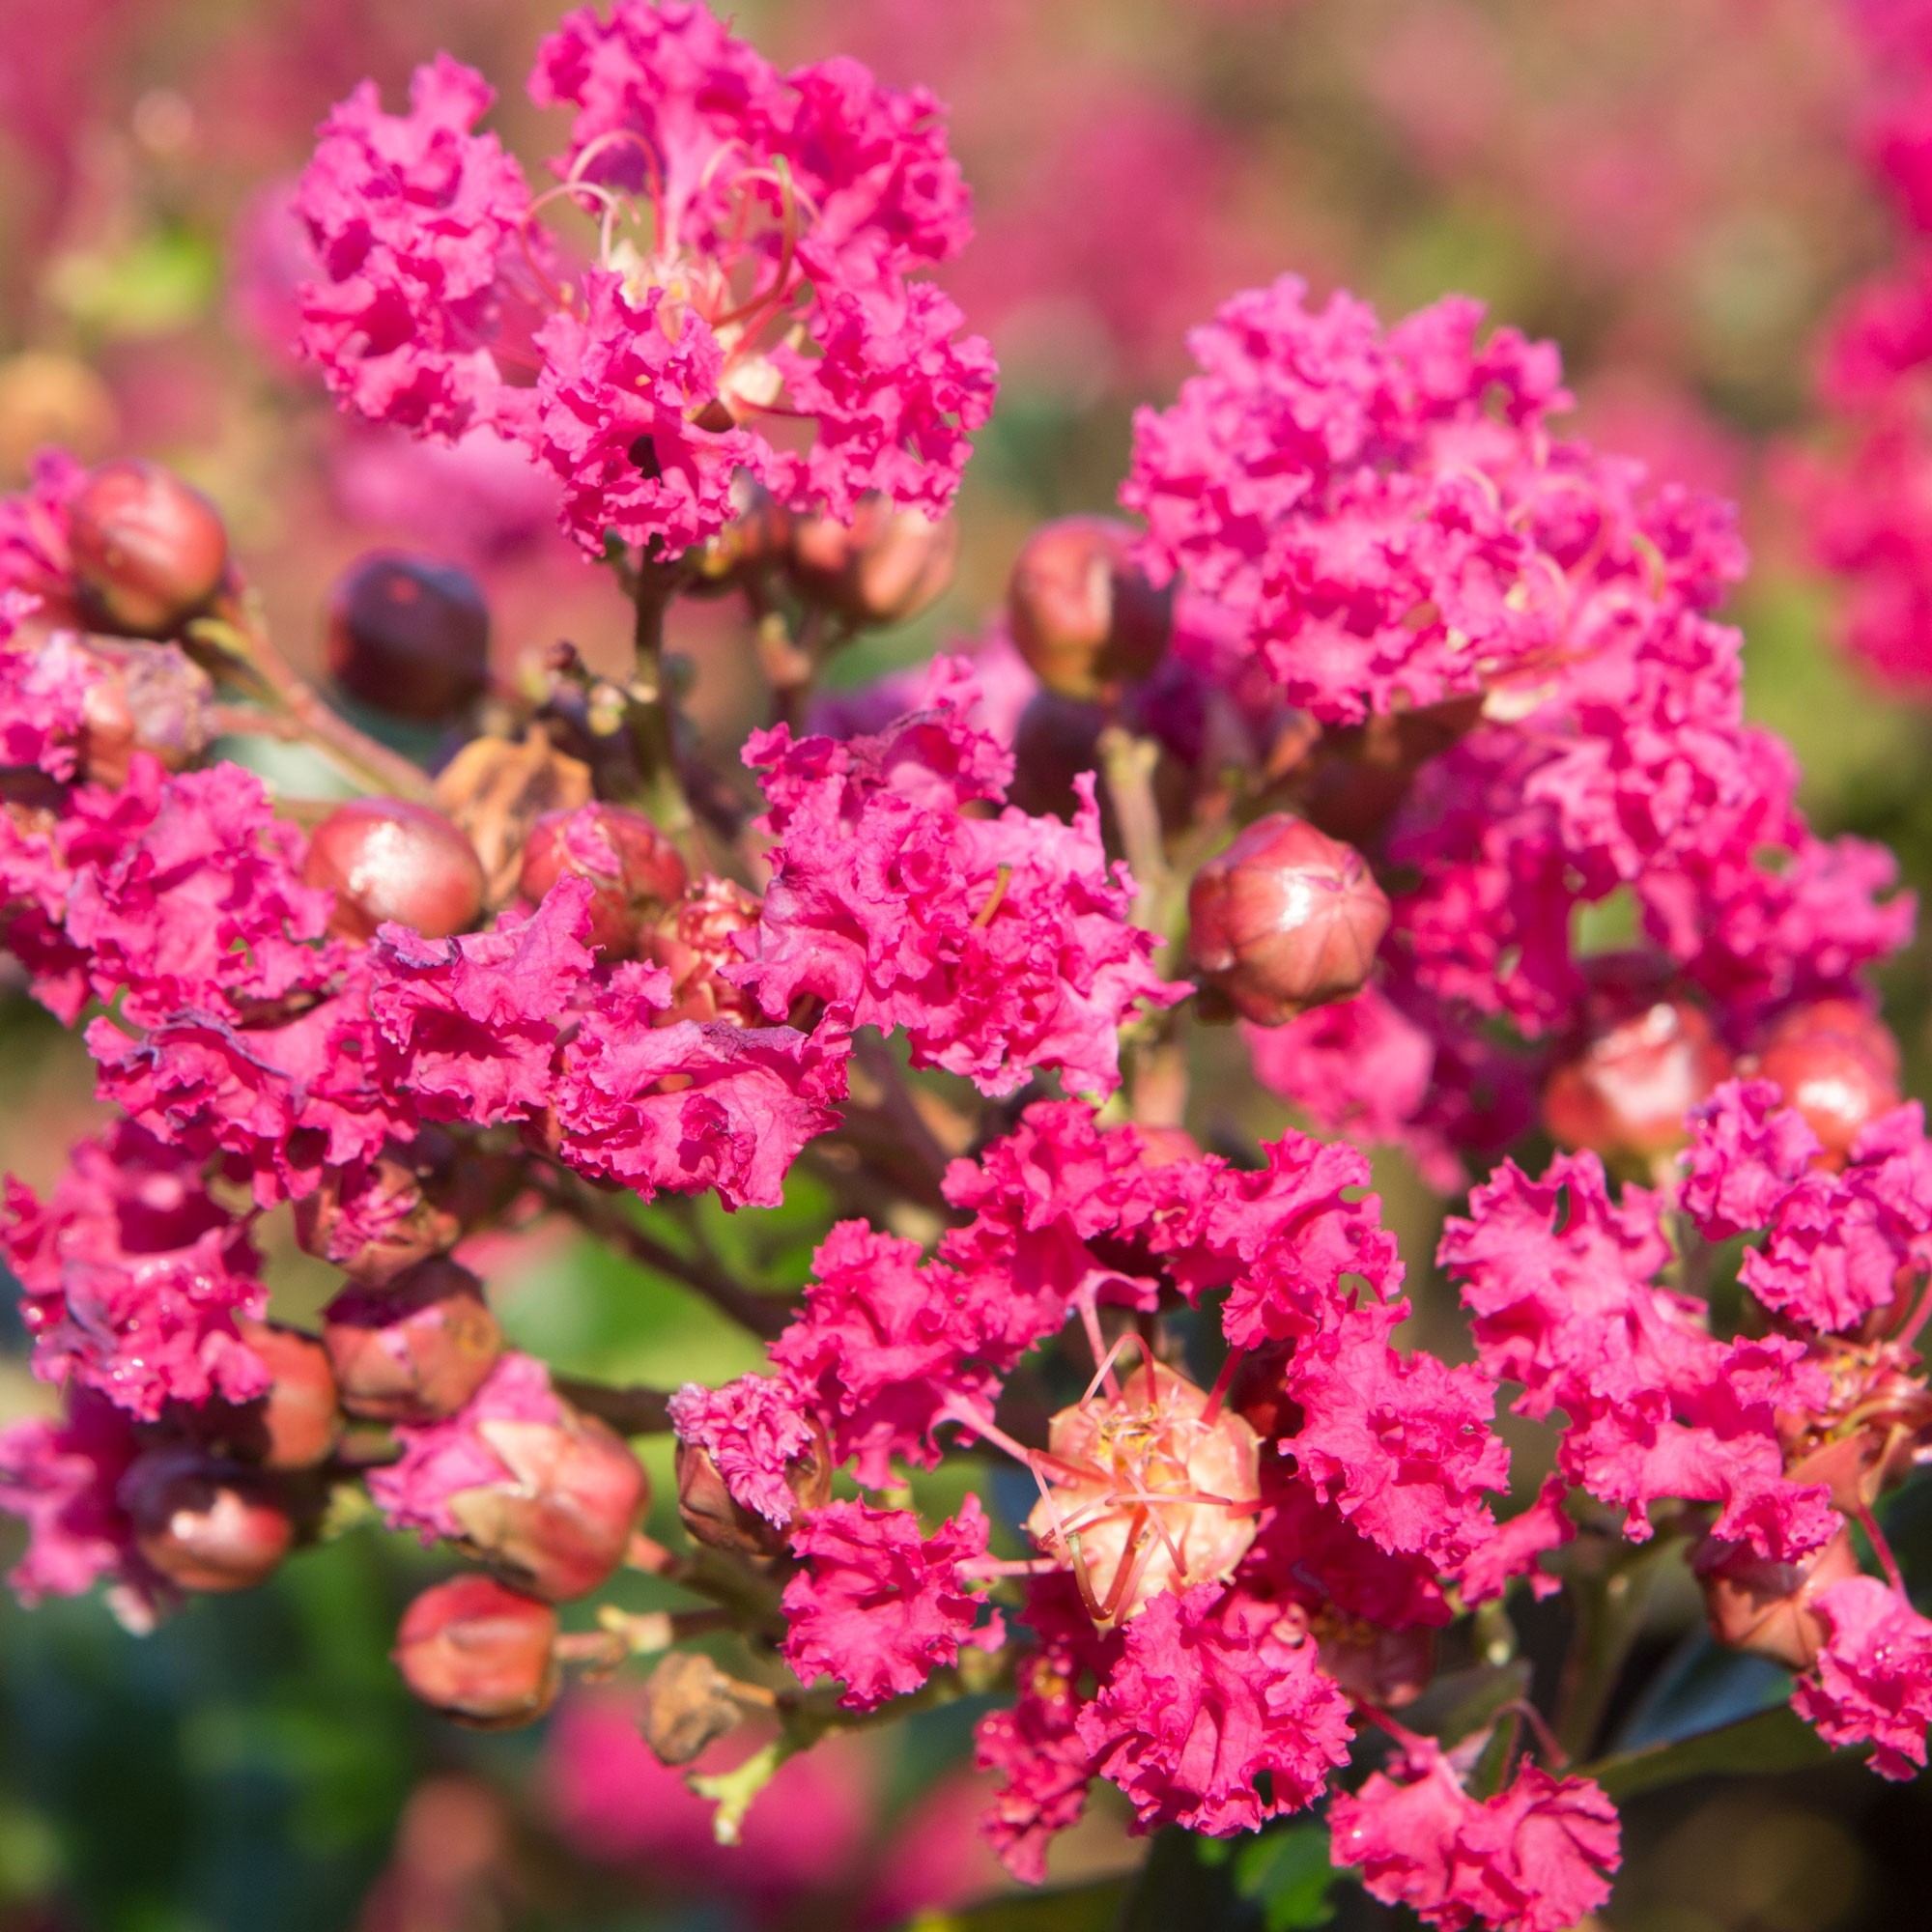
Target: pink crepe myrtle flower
{"type": "Point", "coordinates": [1535, 1858]}
{"type": "Point", "coordinates": [752, 1431]}
{"type": "Point", "coordinates": [43, 694]}
{"type": "Point", "coordinates": [878, 1605]}
{"type": "Point", "coordinates": [133, 1276]}
{"type": "Point", "coordinates": [998, 944]}
{"type": "Point", "coordinates": [1872, 1683]}
{"type": "Point", "coordinates": [1748, 1151]}
{"type": "Point", "coordinates": [759, 241]}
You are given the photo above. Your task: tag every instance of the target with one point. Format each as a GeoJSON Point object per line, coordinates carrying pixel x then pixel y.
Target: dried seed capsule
{"type": "Point", "coordinates": [1285, 918]}
{"type": "Point", "coordinates": [416, 1350]}
{"type": "Point", "coordinates": [884, 567]}
{"type": "Point", "coordinates": [1082, 614]}
{"type": "Point", "coordinates": [409, 636]}
{"type": "Point", "coordinates": [479, 1653]}
{"type": "Point", "coordinates": [386, 859]}
{"type": "Point", "coordinates": [148, 552]}
{"type": "Point", "coordinates": [1624, 1095]}
{"type": "Point", "coordinates": [687, 1705]}
{"type": "Point", "coordinates": [495, 792]}
{"type": "Point", "coordinates": [634, 871]}
{"type": "Point", "coordinates": [561, 1526]}
{"type": "Point", "coordinates": [1838, 1063]}
{"type": "Point", "coordinates": [205, 1525]}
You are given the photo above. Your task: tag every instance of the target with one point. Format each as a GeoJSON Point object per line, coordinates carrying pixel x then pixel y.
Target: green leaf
{"type": "Point", "coordinates": [1772, 1740]}
{"type": "Point", "coordinates": [1289, 1873]}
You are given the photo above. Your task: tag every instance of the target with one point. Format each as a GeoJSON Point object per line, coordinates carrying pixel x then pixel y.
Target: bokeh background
{"type": "Point", "coordinates": [1679, 191]}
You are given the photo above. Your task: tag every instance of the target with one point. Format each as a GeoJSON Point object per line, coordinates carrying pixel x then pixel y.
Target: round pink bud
{"type": "Point", "coordinates": [1625, 1095]}
{"type": "Point", "coordinates": [1082, 614]}
{"type": "Point", "coordinates": [1285, 918]}
{"type": "Point", "coordinates": [149, 698]}
{"type": "Point", "coordinates": [633, 870]}
{"type": "Point", "coordinates": [294, 1426]}
{"type": "Point", "coordinates": [204, 1524]}
{"type": "Point", "coordinates": [561, 1526]}
{"type": "Point", "coordinates": [1768, 1608]}
{"type": "Point", "coordinates": [1838, 1063]}
{"type": "Point", "coordinates": [409, 636]}
{"type": "Point", "coordinates": [148, 552]}
{"type": "Point", "coordinates": [386, 859]}
{"type": "Point", "coordinates": [414, 1350]}
{"type": "Point", "coordinates": [713, 1515]}
{"type": "Point", "coordinates": [884, 567]}
{"type": "Point", "coordinates": [480, 1653]}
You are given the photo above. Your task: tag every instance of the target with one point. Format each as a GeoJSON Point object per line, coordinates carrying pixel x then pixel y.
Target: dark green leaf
{"type": "Point", "coordinates": [1290, 1874]}
{"type": "Point", "coordinates": [1772, 1740]}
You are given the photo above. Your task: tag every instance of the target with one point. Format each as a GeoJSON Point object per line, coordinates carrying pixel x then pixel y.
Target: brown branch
{"type": "Point", "coordinates": [635, 1411]}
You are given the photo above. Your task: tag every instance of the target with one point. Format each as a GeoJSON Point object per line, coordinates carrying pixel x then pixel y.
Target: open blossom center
{"type": "Point", "coordinates": [1146, 1487]}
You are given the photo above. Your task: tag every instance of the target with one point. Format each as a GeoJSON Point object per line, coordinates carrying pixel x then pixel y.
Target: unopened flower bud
{"type": "Point", "coordinates": [205, 1525]}
{"type": "Point", "coordinates": [148, 552]}
{"type": "Point", "coordinates": [1768, 1608]}
{"type": "Point", "coordinates": [1838, 1063]}
{"type": "Point", "coordinates": [149, 698]}
{"type": "Point", "coordinates": [479, 1652]}
{"type": "Point", "coordinates": [1056, 740]}
{"type": "Point", "coordinates": [409, 636]}
{"type": "Point", "coordinates": [495, 792]}
{"type": "Point", "coordinates": [633, 870]}
{"type": "Point", "coordinates": [386, 859]}
{"type": "Point", "coordinates": [693, 939]}
{"type": "Point", "coordinates": [713, 1515]}
{"type": "Point", "coordinates": [687, 1704]}
{"type": "Point", "coordinates": [294, 1426]}
{"type": "Point", "coordinates": [403, 1207]}
{"type": "Point", "coordinates": [1259, 1392]}
{"type": "Point", "coordinates": [1285, 918]}
{"type": "Point", "coordinates": [884, 567]}
{"type": "Point", "coordinates": [561, 1526]}
{"type": "Point", "coordinates": [416, 1350]}
{"type": "Point", "coordinates": [1624, 1095]}
{"type": "Point", "coordinates": [1082, 614]}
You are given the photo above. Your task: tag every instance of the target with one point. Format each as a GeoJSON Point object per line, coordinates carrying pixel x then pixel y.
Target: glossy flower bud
{"type": "Point", "coordinates": [884, 567]}
{"type": "Point", "coordinates": [633, 868]}
{"type": "Point", "coordinates": [205, 1525]}
{"type": "Point", "coordinates": [714, 1517]}
{"type": "Point", "coordinates": [693, 939]}
{"type": "Point", "coordinates": [1626, 1093]}
{"type": "Point", "coordinates": [480, 1653]}
{"type": "Point", "coordinates": [562, 1522]}
{"type": "Point", "coordinates": [294, 1426]}
{"type": "Point", "coordinates": [1083, 613]}
{"type": "Point", "coordinates": [1285, 918]}
{"type": "Point", "coordinates": [1838, 1063]}
{"type": "Point", "coordinates": [148, 552]}
{"type": "Point", "coordinates": [495, 792]}
{"type": "Point", "coordinates": [416, 1350]}
{"type": "Point", "coordinates": [1770, 1608]}
{"type": "Point", "coordinates": [149, 698]}
{"type": "Point", "coordinates": [1056, 740]}
{"type": "Point", "coordinates": [409, 636]}
{"type": "Point", "coordinates": [386, 859]}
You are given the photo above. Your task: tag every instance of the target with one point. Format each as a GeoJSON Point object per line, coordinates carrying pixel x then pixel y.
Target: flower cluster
{"type": "Point", "coordinates": [758, 238]}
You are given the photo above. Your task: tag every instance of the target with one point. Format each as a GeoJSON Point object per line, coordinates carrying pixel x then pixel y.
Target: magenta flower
{"type": "Point", "coordinates": [1873, 1682]}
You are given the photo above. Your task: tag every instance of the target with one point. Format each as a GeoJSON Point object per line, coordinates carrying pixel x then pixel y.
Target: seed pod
{"type": "Point", "coordinates": [148, 552]}
{"type": "Point", "coordinates": [634, 871]}
{"type": "Point", "coordinates": [205, 1525]}
{"type": "Point", "coordinates": [386, 859]}
{"type": "Point", "coordinates": [1624, 1095]}
{"type": "Point", "coordinates": [1770, 1608]}
{"type": "Point", "coordinates": [149, 698]}
{"type": "Point", "coordinates": [1084, 615]}
{"type": "Point", "coordinates": [562, 1522]}
{"type": "Point", "coordinates": [885, 567]}
{"type": "Point", "coordinates": [294, 1426]}
{"type": "Point", "coordinates": [695, 939]}
{"type": "Point", "coordinates": [479, 1653]}
{"type": "Point", "coordinates": [496, 792]}
{"type": "Point", "coordinates": [713, 1515]}
{"type": "Point", "coordinates": [416, 1350]}
{"type": "Point", "coordinates": [1285, 918]}
{"type": "Point", "coordinates": [409, 636]}
{"type": "Point", "coordinates": [1838, 1063]}
{"type": "Point", "coordinates": [687, 1705]}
